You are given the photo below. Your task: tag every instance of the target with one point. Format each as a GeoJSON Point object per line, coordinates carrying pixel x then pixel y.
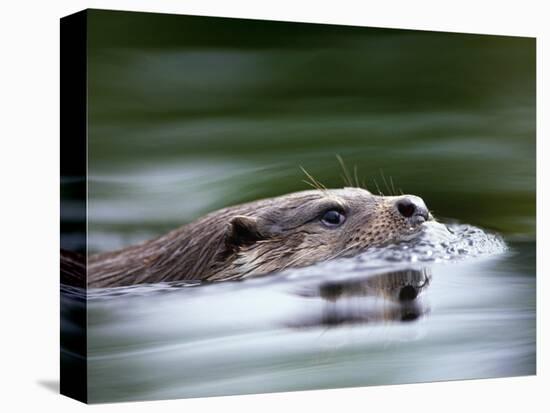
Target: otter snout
{"type": "Point", "coordinates": [413, 209]}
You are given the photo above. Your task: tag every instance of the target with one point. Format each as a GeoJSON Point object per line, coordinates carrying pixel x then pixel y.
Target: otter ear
{"type": "Point", "coordinates": [242, 231]}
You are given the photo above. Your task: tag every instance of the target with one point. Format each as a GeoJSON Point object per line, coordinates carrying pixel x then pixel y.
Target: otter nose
{"type": "Point", "coordinates": [411, 206]}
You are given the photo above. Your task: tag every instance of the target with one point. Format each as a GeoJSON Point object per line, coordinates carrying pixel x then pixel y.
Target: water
{"type": "Point", "coordinates": [183, 123]}
{"type": "Point", "coordinates": [411, 312]}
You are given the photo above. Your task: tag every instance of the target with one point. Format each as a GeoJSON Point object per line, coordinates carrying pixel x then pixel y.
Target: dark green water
{"type": "Point", "coordinates": [188, 115]}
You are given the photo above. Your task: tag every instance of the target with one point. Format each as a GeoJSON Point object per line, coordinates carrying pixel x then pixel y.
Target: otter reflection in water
{"type": "Point", "coordinates": [380, 298]}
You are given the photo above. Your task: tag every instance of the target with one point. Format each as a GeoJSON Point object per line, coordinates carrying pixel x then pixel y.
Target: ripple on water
{"type": "Point", "coordinates": [438, 242]}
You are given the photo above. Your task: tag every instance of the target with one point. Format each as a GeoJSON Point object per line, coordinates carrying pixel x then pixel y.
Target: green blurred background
{"type": "Point", "coordinates": [188, 114]}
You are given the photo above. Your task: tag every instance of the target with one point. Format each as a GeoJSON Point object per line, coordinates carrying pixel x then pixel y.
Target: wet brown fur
{"type": "Point", "coordinates": [256, 238]}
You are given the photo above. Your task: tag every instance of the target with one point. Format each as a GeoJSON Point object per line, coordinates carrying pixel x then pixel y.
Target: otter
{"type": "Point", "coordinates": [264, 236]}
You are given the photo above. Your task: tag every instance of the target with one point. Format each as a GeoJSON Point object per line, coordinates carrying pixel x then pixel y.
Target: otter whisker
{"type": "Point", "coordinates": [385, 182]}
{"type": "Point", "coordinates": [360, 183]}
{"type": "Point", "coordinates": [347, 179]}
{"type": "Point", "coordinates": [356, 176]}
{"type": "Point", "coordinates": [313, 182]}
{"type": "Point", "coordinates": [312, 185]}
{"type": "Point", "coordinates": [392, 186]}
{"type": "Point", "coordinates": [377, 187]}
{"type": "Point", "coordinates": [345, 250]}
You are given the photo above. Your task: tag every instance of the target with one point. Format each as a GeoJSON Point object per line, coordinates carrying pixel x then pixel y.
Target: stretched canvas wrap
{"type": "Point", "coordinates": [259, 206]}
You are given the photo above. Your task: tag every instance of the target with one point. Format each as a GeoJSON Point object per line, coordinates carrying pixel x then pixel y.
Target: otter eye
{"type": "Point", "coordinates": [333, 218]}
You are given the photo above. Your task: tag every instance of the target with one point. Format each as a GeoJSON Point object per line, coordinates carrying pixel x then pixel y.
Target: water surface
{"type": "Point", "coordinates": [380, 318]}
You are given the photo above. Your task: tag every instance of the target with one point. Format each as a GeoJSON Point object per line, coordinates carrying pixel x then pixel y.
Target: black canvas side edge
{"type": "Point", "coordinates": [73, 156]}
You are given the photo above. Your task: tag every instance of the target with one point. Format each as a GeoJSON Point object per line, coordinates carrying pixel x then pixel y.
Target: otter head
{"type": "Point", "coordinates": [306, 227]}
